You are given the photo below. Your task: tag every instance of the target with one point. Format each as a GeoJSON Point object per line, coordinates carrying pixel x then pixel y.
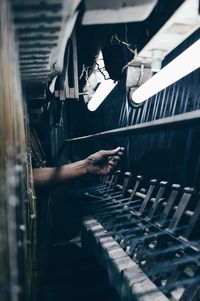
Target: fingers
{"type": "Point", "coordinates": [121, 153]}
{"type": "Point", "coordinates": [112, 166]}
{"type": "Point", "coordinates": [114, 160]}
{"type": "Point", "coordinates": [113, 163]}
{"type": "Point", "coordinates": [117, 158]}
{"type": "Point", "coordinates": [117, 151]}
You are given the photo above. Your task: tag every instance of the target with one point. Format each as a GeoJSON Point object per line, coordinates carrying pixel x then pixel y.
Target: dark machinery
{"type": "Point", "coordinates": [133, 235]}
{"type": "Point", "coordinates": [147, 239]}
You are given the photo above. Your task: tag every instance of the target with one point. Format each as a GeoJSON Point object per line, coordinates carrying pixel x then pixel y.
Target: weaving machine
{"type": "Point", "coordinates": [72, 74]}
{"type": "Point", "coordinates": [146, 239]}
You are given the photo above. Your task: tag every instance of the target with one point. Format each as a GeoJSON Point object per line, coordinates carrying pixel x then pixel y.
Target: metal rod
{"type": "Point", "coordinates": [169, 122]}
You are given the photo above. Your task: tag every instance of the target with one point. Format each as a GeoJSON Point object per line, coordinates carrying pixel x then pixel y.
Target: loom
{"type": "Point", "coordinates": [130, 235]}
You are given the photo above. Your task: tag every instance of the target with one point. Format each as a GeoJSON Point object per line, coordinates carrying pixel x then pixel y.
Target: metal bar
{"type": "Point", "coordinates": [168, 122]}
{"type": "Point", "coordinates": [180, 119]}
{"type": "Point", "coordinates": [169, 206]}
{"type": "Point", "coordinates": [188, 192]}
{"type": "Point", "coordinates": [159, 195]}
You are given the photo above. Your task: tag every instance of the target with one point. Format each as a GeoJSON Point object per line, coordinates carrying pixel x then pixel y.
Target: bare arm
{"type": "Point", "coordinates": [54, 175]}
{"type": "Point", "coordinates": [100, 163]}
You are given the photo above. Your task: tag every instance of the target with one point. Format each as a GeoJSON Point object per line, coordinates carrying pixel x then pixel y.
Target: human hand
{"type": "Point", "coordinates": [104, 162]}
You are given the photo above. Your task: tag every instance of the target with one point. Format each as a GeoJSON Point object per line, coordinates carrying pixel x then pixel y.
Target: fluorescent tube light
{"type": "Point", "coordinates": [182, 65]}
{"type": "Point", "coordinates": [101, 93]}
{"type": "Point", "coordinates": [183, 22]}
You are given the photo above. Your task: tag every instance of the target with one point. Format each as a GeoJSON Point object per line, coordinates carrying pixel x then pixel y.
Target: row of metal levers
{"type": "Point", "coordinates": [146, 238]}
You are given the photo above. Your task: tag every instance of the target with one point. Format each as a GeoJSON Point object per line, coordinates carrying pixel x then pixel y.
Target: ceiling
{"type": "Point", "coordinates": [44, 27]}
{"type": "Point", "coordinates": [117, 11]}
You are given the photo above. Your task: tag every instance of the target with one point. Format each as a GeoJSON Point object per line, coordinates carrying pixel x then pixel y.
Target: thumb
{"type": "Point", "coordinates": [111, 152]}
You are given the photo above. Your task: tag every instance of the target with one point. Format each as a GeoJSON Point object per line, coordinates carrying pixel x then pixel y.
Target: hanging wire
{"type": "Point", "coordinates": [85, 70]}
{"type": "Point", "coordinates": [100, 70]}
{"type": "Point", "coordinates": [116, 40]}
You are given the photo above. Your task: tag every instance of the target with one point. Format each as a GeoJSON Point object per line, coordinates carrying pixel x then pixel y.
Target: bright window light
{"type": "Point", "coordinates": [101, 93]}
{"type": "Point", "coordinates": [182, 65]}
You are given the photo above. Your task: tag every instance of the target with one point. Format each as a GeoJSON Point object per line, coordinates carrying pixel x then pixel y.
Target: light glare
{"type": "Point", "coordinates": [101, 93]}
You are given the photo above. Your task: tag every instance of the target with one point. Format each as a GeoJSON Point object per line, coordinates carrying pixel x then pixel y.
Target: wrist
{"type": "Point", "coordinates": [85, 167]}
{"type": "Point", "coordinates": [88, 167]}
{"type": "Point", "coordinates": [77, 169]}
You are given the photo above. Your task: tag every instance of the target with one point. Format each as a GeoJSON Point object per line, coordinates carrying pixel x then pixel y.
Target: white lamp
{"type": "Point", "coordinates": [185, 63]}
{"type": "Point", "coordinates": [101, 93]}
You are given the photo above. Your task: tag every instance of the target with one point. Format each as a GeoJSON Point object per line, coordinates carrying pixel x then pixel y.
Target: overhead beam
{"type": "Point", "coordinates": [116, 11]}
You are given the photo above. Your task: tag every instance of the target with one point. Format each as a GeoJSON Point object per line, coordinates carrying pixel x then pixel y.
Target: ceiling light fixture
{"type": "Point", "coordinates": [101, 93]}
{"type": "Point", "coordinates": [181, 66]}
{"type": "Point", "coordinates": [183, 22]}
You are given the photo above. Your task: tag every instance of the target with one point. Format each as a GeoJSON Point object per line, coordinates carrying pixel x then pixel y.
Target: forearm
{"type": "Point", "coordinates": [54, 175]}
{"type": "Point", "coordinates": [101, 163]}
